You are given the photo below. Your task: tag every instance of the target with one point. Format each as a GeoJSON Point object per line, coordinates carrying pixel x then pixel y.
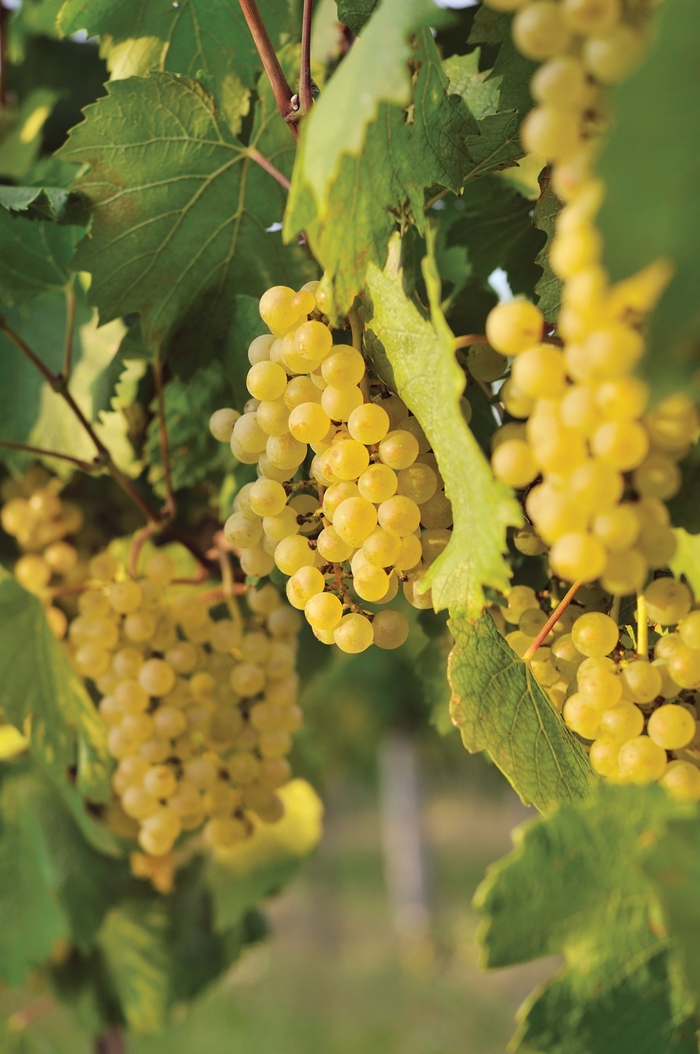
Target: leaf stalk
{"type": "Point", "coordinates": [552, 620]}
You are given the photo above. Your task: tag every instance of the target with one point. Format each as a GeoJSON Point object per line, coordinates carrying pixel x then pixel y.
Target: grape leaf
{"type": "Point", "coordinates": [19, 149]}
{"type": "Point", "coordinates": [652, 200]}
{"type": "Point", "coordinates": [548, 288]}
{"type": "Point", "coordinates": [478, 89]}
{"type": "Point", "coordinates": [686, 559]}
{"type": "Point", "coordinates": [181, 213]}
{"type": "Point", "coordinates": [381, 169]}
{"type": "Point", "coordinates": [354, 13]}
{"type": "Point", "coordinates": [499, 707]}
{"type": "Point", "coordinates": [47, 203]}
{"type": "Point", "coordinates": [431, 668]}
{"type": "Point", "coordinates": [513, 69]}
{"type": "Point", "coordinates": [684, 506]}
{"type": "Point", "coordinates": [429, 380]}
{"type": "Point", "coordinates": [193, 37]}
{"type": "Point", "coordinates": [579, 874]}
{"type": "Point", "coordinates": [34, 257]}
{"type": "Point", "coordinates": [38, 683]}
{"type": "Point", "coordinates": [133, 941]}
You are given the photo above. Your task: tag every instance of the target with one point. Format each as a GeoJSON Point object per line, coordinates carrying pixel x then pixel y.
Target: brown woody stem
{"type": "Point", "coordinates": [306, 99]}
{"type": "Point", "coordinates": [261, 160]}
{"type": "Point", "coordinates": [266, 51]}
{"type": "Point", "coordinates": [84, 466]}
{"type": "Point", "coordinates": [552, 620]}
{"type": "Point", "coordinates": [111, 1041]}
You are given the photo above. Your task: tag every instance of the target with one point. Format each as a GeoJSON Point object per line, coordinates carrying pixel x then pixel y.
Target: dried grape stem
{"type": "Point", "coordinates": [266, 51]}
{"type": "Point", "coordinates": [552, 620]}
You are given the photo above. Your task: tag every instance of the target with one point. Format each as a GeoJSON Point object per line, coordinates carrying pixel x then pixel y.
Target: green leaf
{"type": "Point", "coordinates": [548, 288]}
{"type": "Point", "coordinates": [478, 90]}
{"type": "Point", "coordinates": [195, 455]}
{"type": "Point", "coordinates": [180, 211]}
{"type": "Point", "coordinates": [20, 148]}
{"type": "Point", "coordinates": [246, 326]}
{"type": "Point", "coordinates": [684, 506]}
{"type": "Point", "coordinates": [354, 13]}
{"type": "Point", "coordinates": [429, 380]}
{"type": "Point", "coordinates": [381, 168]}
{"type": "Point", "coordinates": [515, 71]}
{"type": "Point", "coordinates": [686, 559]}
{"type": "Point", "coordinates": [194, 37]}
{"type": "Point", "coordinates": [46, 203]}
{"type": "Point", "coordinates": [133, 941]}
{"type": "Point", "coordinates": [579, 875]}
{"type": "Point", "coordinates": [31, 918]}
{"type": "Point", "coordinates": [38, 683]}
{"type": "Point", "coordinates": [431, 667]}
{"type": "Point", "coordinates": [674, 866]}
{"type": "Point", "coordinates": [34, 257]}
{"type": "Point", "coordinates": [652, 200]}
{"type": "Point", "coordinates": [499, 707]}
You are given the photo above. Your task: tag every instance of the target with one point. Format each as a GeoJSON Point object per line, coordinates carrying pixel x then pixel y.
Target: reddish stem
{"type": "Point", "coordinates": [306, 99]}
{"type": "Point", "coordinates": [266, 51]}
{"type": "Point", "coordinates": [261, 160]}
{"type": "Point", "coordinates": [552, 620]}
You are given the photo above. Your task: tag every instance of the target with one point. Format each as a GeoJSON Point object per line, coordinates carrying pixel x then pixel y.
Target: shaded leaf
{"type": "Point", "coordinates": [19, 149]}
{"type": "Point", "coordinates": [494, 27]}
{"type": "Point", "coordinates": [354, 13]}
{"type": "Point", "coordinates": [499, 707]}
{"type": "Point", "coordinates": [133, 941]}
{"type": "Point", "coordinates": [34, 257]}
{"type": "Point", "coordinates": [549, 286]}
{"type": "Point", "coordinates": [47, 203]}
{"type": "Point", "coordinates": [478, 90]}
{"type": "Point", "coordinates": [652, 201]}
{"type": "Point", "coordinates": [180, 211]}
{"type": "Point", "coordinates": [429, 380]}
{"type": "Point", "coordinates": [686, 560]}
{"type": "Point", "coordinates": [685, 506]}
{"type": "Point", "coordinates": [431, 668]}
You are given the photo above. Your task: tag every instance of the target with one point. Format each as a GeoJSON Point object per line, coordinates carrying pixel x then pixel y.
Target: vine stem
{"type": "Point", "coordinates": [59, 384]}
{"type": "Point", "coordinates": [642, 628]}
{"type": "Point", "coordinates": [615, 609]}
{"type": "Point", "coordinates": [111, 1041]}
{"type": "Point", "coordinates": [18, 1021]}
{"type": "Point", "coordinates": [261, 160]}
{"type": "Point", "coordinates": [468, 339]}
{"type": "Point", "coordinates": [170, 504]}
{"type": "Point", "coordinates": [70, 330]}
{"type": "Point", "coordinates": [266, 51]}
{"type": "Point", "coordinates": [552, 620]}
{"type": "Point", "coordinates": [137, 545]}
{"type": "Point", "coordinates": [84, 466]}
{"type": "Point", "coordinates": [306, 99]}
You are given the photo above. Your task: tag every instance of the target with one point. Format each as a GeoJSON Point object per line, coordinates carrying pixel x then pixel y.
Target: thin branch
{"type": "Point", "coordinates": [111, 1041]}
{"type": "Point", "coordinates": [469, 339]}
{"type": "Point", "coordinates": [306, 99]}
{"type": "Point", "coordinates": [552, 620]}
{"type": "Point", "coordinates": [18, 1021]}
{"type": "Point", "coordinates": [85, 466]}
{"type": "Point", "coordinates": [615, 609]}
{"type": "Point", "coordinates": [70, 330]}
{"type": "Point", "coordinates": [170, 505]}
{"type": "Point", "coordinates": [59, 384]}
{"type": "Point", "coordinates": [266, 51]}
{"type": "Point", "coordinates": [137, 545]}
{"type": "Point", "coordinates": [259, 159]}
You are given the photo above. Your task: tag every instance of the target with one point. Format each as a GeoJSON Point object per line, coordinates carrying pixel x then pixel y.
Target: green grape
{"type": "Point", "coordinates": [256, 561]}
{"type": "Point", "coordinates": [390, 629]}
{"type": "Point", "coordinates": [657, 477]}
{"type": "Point", "coordinates": [267, 497]}
{"type": "Point", "coordinates": [621, 444]}
{"type": "Point", "coordinates": [186, 800]}
{"type": "Point", "coordinates": [160, 781]}
{"type": "Point", "coordinates": [515, 402]}
{"type": "Point", "coordinates": [155, 750]}
{"type": "Point", "coordinates": [222, 832]}
{"type": "Point", "coordinates": [622, 399]}
{"type": "Point", "coordinates": [332, 547]}
{"type": "Point", "coordinates": [92, 660]}
{"type": "Point", "coordinates": [617, 529]}
{"type": "Point", "coordinates": [130, 696]}
{"type": "Point", "coordinates": [339, 403]}
{"type": "Point", "coordinates": [682, 781]}
{"type": "Point", "coordinates": [595, 487]}
{"type": "Point", "coordinates": [565, 655]}
{"type": "Point", "coordinates": [520, 599]}
{"type": "Point", "coordinates": [577, 557]}
{"type": "Point", "coordinates": [378, 483]}
{"type": "Point", "coordinates": [582, 715]}
{"type": "Point", "coordinates": [169, 722]}
{"type": "Point", "coordinates": [513, 462]}
{"type": "Point", "coordinates": [603, 757]}
{"type": "Point", "coordinates": [279, 309]}
{"type": "Point", "coordinates": [304, 584]}
{"type": "Point", "coordinates": [591, 17]}
{"type": "Point", "coordinates": [668, 601]}
{"type": "Point", "coordinates": [368, 423]}
{"type": "Point", "coordinates": [110, 711]}
{"type": "Point", "coordinates": [414, 592]}
{"type": "Point", "coordinates": [273, 417]}
{"type": "Point", "coordinates": [527, 541]}
{"type": "Point", "coordinates": [33, 572]}
{"type": "Point", "coordinates": [284, 525]}
{"type": "Point", "coordinates": [641, 760]}
{"type": "Point", "coordinates": [285, 451]}
{"type": "Point", "coordinates": [300, 390]}
{"type": "Point", "coordinates": [531, 622]}
{"type": "Point", "coordinates": [309, 422]}
{"type": "Point", "coordinates": [551, 131]}
{"type": "Point", "coordinates": [381, 549]}
{"type": "Point", "coordinates": [157, 677]}
{"type": "Point", "coordinates": [370, 583]}
{"type": "Point", "coordinates": [578, 409]}
{"type": "Point", "coordinates": [247, 679]}
{"type": "Point", "coordinates": [275, 772]}
{"type": "Point", "coordinates": [433, 543]}
{"type": "Point", "coordinates": [248, 434]}
{"type": "Point", "coordinates": [266, 381]}
{"type": "Point", "coordinates": [220, 424]}
{"type": "Point", "coordinates": [255, 647]}
{"type": "Point", "coordinates": [672, 424]}
{"type": "Point", "coordinates": [293, 553]}
{"type": "Point", "coordinates": [139, 627]}
{"type": "Point", "coordinates": [539, 32]}
{"type": "Point", "coordinates": [398, 449]}
{"type": "Point", "coordinates": [559, 82]}
{"type": "Point", "coordinates": [684, 666]}
{"type": "Point", "coordinates": [485, 364]}
{"type": "Point", "coordinates": [611, 57]}
{"type": "Point", "coordinates": [138, 803]}
{"type": "Point", "coordinates": [348, 459]}
{"type": "Point", "coordinates": [689, 631]}
{"type": "Point", "coordinates": [343, 368]}
{"type": "Point", "coordinates": [624, 572]}
{"type": "Point", "coordinates": [399, 515]}
{"type": "Point", "coordinates": [354, 520]}
{"type": "Point", "coordinates": [410, 553]}
{"type": "Point", "coordinates": [260, 347]}
{"type": "Point", "coordinates": [622, 722]}
{"type": "Point", "coordinates": [242, 531]}
{"type": "Point", "coordinates": [313, 341]}
{"type": "Point", "coordinates": [519, 642]}
{"type": "Point", "coordinates": [103, 567]}
{"type": "Point", "coordinates": [93, 603]}
{"type": "Point", "coordinates": [436, 512]}
{"type": "Point", "coordinates": [354, 633]}
{"type": "Point", "coordinates": [183, 657]}
{"type": "Point", "coordinates": [597, 679]}
{"type": "Point", "coordinates": [671, 726]}
{"type": "Point", "coordinates": [643, 681]}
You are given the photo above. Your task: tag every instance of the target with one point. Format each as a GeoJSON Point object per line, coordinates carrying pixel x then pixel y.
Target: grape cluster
{"type": "Point", "coordinates": [638, 711]}
{"type": "Point", "coordinates": [351, 532]}
{"type": "Point", "coordinates": [36, 516]}
{"type": "Point", "coordinates": [607, 462]}
{"type": "Point", "coordinates": [200, 709]}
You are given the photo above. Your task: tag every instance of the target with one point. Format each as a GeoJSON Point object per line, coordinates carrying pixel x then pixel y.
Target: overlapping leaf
{"type": "Point", "coordinates": [652, 201]}
{"type": "Point", "coordinates": [181, 214]}
{"type": "Point", "coordinates": [47, 203]}
{"type": "Point", "coordinates": [354, 13]}
{"type": "Point", "coordinates": [575, 885]}
{"type": "Point", "coordinates": [499, 707]}
{"type": "Point", "coordinates": [133, 941]}
{"type": "Point", "coordinates": [34, 257]}
{"type": "Point", "coordinates": [429, 380]}
{"type": "Point", "coordinates": [548, 287]}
